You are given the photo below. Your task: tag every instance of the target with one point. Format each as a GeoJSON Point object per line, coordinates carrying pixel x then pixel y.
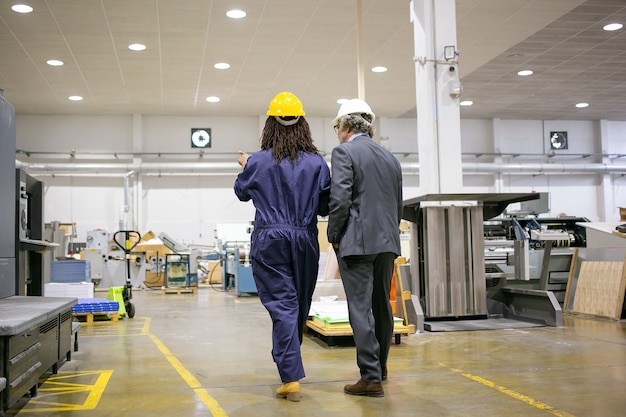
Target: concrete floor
{"type": "Point", "coordinates": [208, 354]}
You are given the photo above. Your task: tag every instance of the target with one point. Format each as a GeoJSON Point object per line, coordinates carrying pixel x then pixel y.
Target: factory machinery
{"type": "Point", "coordinates": [532, 252]}
{"type": "Point", "coordinates": [237, 268]}
{"type": "Point", "coordinates": [470, 263]}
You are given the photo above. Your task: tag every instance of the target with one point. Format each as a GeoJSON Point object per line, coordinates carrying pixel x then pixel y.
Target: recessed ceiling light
{"type": "Point", "coordinates": [213, 99]}
{"type": "Point", "coordinates": [342, 100]}
{"type": "Point", "coordinates": [379, 69]}
{"type": "Point", "coordinates": [221, 65]}
{"type": "Point", "coordinates": [466, 103]}
{"type": "Point", "coordinates": [21, 8]}
{"type": "Point", "coordinates": [524, 73]}
{"type": "Point", "coordinates": [582, 105]}
{"type": "Point", "coordinates": [613, 26]}
{"type": "Point", "coordinates": [75, 98]}
{"type": "Point", "coordinates": [515, 55]}
{"type": "Point", "coordinates": [54, 62]}
{"type": "Point", "coordinates": [236, 14]}
{"type": "Point", "coordinates": [137, 47]}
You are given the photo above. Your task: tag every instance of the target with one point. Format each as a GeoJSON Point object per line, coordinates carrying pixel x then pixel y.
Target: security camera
{"type": "Point", "coordinates": [452, 69]}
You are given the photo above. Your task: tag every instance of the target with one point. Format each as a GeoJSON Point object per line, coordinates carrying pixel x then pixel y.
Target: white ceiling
{"type": "Point", "coordinates": [308, 47]}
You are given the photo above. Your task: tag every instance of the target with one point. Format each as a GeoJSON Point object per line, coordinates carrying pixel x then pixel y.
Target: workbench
{"type": "Point", "coordinates": [35, 337]}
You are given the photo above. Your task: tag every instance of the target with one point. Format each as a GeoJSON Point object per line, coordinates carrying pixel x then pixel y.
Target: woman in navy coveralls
{"type": "Point", "coordinates": [289, 183]}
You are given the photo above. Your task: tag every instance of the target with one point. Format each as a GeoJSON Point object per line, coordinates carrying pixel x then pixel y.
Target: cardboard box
{"type": "Point", "coordinates": [68, 289]}
{"type": "Point", "coordinates": [214, 275]}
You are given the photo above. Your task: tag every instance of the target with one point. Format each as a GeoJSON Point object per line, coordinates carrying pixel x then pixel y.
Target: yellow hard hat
{"type": "Point", "coordinates": [285, 104]}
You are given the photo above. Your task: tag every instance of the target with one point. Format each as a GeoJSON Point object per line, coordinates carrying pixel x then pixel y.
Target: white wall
{"type": "Point", "coordinates": [187, 207]}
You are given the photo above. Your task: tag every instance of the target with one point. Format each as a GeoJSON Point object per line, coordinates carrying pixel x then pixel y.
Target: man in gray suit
{"type": "Point", "coordinates": [363, 228]}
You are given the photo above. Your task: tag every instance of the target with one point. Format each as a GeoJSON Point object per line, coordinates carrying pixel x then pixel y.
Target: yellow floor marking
{"type": "Point", "coordinates": [145, 329]}
{"type": "Point", "coordinates": [61, 384]}
{"type": "Point", "coordinates": [513, 394]}
{"type": "Point", "coordinates": [191, 380]}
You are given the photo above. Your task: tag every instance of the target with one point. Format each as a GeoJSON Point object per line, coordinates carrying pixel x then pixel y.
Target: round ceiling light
{"type": "Point", "coordinates": [221, 66]}
{"type": "Point", "coordinates": [466, 103]}
{"type": "Point", "coordinates": [75, 98]}
{"type": "Point", "coordinates": [21, 8]}
{"type": "Point", "coordinates": [613, 26]}
{"type": "Point", "coordinates": [213, 99]}
{"type": "Point", "coordinates": [137, 47]}
{"type": "Point", "coordinates": [54, 62]}
{"type": "Point", "coordinates": [379, 69]}
{"type": "Point", "coordinates": [524, 73]}
{"type": "Point", "coordinates": [236, 14]}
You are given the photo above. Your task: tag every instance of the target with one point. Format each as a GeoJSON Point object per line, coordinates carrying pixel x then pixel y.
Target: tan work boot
{"type": "Point", "coordinates": [371, 389]}
{"type": "Point", "coordinates": [289, 390]}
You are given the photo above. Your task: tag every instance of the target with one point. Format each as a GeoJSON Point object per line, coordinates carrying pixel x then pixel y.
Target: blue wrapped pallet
{"type": "Point", "coordinates": [70, 271]}
{"type": "Point", "coordinates": [95, 305]}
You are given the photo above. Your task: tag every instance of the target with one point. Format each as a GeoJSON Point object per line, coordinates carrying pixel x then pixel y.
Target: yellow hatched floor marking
{"type": "Point", "coordinates": [64, 384]}
{"type": "Point", "coordinates": [513, 394]}
{"type": "Point", "coordinates": [60, 384]}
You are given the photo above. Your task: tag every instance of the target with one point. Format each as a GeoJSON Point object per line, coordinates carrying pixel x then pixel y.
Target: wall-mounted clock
{"type": "Point", "coordinates": [558, 140]}
{"type": "Point", "coordinates": [201, 137]}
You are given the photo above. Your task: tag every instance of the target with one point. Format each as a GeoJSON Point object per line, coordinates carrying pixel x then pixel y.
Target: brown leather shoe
{"type": "Point", "coordinates": [371, 389]}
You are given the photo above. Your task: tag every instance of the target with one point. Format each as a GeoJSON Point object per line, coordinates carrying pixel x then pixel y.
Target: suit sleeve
{"type": "Point", "coordinates": [400, 197]}
{"type": "Point", "coordinates": [342, 182]}
{"type": "Point", "coordinates": [324, 191]}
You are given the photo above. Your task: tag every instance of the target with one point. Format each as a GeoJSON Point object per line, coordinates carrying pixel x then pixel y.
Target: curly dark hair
{"type": "Point", "coordinates": [287, 141]}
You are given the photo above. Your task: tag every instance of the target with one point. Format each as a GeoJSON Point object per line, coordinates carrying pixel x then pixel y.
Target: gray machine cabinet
{"type": "Point", "coordinates": [448, 245]}
{"type": "Point", "coordinates": [7, 199]}
{"type": "Point", "coordinates": [453, 257]}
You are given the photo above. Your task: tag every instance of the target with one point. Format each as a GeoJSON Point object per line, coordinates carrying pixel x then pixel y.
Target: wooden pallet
{"type": "Point", "coordinates": [89, 317]}
{"type": "Point", "coordinates": [328, 334]}
{"type": "Point", "coordinates": [178, 290]}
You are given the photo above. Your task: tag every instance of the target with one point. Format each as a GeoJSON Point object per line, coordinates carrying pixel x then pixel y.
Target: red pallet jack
{"type": "Point", "coordinates": [127, 247]}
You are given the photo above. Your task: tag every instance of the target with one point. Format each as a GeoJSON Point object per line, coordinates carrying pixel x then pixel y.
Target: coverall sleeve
{"type": "Point", "coordinates": [245, 180]}
{"type": "Point", "coordinates": [342, 182]}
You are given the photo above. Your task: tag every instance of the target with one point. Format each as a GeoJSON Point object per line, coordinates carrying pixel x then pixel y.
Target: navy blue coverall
{"type": "Point", "coordinates": [284, 246]}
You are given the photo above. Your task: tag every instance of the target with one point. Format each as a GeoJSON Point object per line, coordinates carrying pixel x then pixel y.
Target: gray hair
{"type": "Point", "coordinates": [358, 123]}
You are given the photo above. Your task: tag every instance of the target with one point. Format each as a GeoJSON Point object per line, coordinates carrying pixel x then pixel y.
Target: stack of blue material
{"type": "Point", "coordinates": [70, 271]}
{"type": "Point", "coordinates": [95, 305]}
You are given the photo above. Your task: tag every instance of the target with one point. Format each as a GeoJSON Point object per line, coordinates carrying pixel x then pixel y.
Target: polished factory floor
{"type": "Point", "coordinates": [208, 354]}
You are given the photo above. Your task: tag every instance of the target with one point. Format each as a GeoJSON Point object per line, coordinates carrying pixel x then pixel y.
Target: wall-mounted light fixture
{"type": "Point", "coordinates": [449, 52]}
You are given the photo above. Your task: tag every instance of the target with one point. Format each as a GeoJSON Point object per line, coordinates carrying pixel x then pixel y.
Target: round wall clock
{"type": "Point", "coordinates": [201, 138]}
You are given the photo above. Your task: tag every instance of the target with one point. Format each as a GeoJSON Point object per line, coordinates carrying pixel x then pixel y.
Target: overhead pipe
{"type": "Point", "coordinates": [227, 168]}
{"type": "Point", "coordinates": [541, 168]}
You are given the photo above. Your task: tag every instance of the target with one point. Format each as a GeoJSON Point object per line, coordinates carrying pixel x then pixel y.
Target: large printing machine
{"type": "Point", "coordinates": [469, 270]}
{"type": "Point", "coordinates": [35, 331]}
{"type": "Point", "coordinates": [532, 252]}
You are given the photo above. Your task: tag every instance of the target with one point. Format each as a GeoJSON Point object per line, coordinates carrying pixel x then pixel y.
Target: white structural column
{"type": "Point", "coordinates": [137, 220]}
{"type": "Point", "coordinates": [437, 88]}
{"type": "Point", "coordinates": [607, 208]}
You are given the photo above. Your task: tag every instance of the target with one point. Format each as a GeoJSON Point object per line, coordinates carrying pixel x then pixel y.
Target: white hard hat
{"type": "Point", "coordinates": [354, 106]}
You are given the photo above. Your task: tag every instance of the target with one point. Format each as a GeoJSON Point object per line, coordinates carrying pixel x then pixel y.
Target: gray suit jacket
{"type": "Point", "coordinates": [365, 198]}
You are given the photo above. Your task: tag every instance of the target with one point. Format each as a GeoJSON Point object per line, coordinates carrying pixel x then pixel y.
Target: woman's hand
{"type": "Point", "coordinates": [243, 158]}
